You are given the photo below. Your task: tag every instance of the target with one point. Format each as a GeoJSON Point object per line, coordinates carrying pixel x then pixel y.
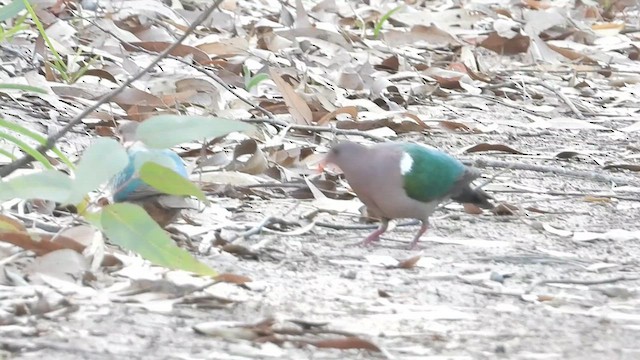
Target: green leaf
{"type": "Point", "coordinates": [46, 185]}
{"type": "Point", "coordinates": [23, 87]}
{"type": "Point", "coordinates": [130, 227]}
{"type": "Point", "coordinates": [9, 11]}
{"type": "Point", "coordinates": [58, 63]}
{"type": "Point", "coordinates": [383, 19]}
{"type": "Point", "coordinates": [8, 154]}
{"type": "Point", "coordinates": [254, 81]}
{"type": "Point", "coordinates": [168, 181]}
{"type": "Point", "coordinates": [27, 149]}
{"type": "Point", "coordinates": [99, 163]}
{"type": "Point", "coordinates": [164, 131]}
{"type": "Point", "coordinates": [37, 137]}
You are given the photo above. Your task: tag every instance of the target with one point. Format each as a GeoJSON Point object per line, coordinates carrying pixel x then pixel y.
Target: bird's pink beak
{"type": "Point", "coordinates": [322, 164]}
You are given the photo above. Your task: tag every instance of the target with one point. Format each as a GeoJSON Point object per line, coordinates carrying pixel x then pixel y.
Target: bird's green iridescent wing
{"type": "Point", "coordinates": [433, 174]}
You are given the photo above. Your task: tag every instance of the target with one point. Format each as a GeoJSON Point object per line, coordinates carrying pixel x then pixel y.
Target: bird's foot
{"type": "Point", "coordinates": [423, 229]}
{"type": "Point", "coordinates": [370, 239]}
{"type": "Point", "coordinates": [414, 245]}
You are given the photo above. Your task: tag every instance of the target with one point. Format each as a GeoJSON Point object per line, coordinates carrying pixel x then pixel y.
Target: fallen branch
{"type": "Point", "coordinates": [589, 175]}
{"type": "Point", "coordinates": [499, 101]}
{"type": "Point", "coordinates": [313, 128]}
{"type": "Point", "coordinates": [362, 226]}
{"type": "Point", "coordinates": [563, 97]}
{"type": "Point", "coordinates": [567, 194]}
{"type": "Point", "coordinates": [51, 140]}
{"type": "Point", "coordinates": [583, 282]}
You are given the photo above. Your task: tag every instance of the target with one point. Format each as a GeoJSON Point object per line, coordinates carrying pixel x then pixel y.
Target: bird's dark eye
{"type": "Point", "coordinates": [335, 151]}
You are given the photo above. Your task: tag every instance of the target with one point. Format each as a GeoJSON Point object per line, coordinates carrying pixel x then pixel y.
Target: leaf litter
{"type": "Point", "coordinates": [488, 81]}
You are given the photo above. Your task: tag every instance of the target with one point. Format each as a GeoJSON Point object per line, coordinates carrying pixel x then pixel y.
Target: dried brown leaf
{"type": "Point", "coordinates": [180, 51]}
{"type": "Point", "coordinates": [431, 35]}
{"type": "Point", "coordinates": [256, 163]}
{"type": "Point", "coordinates": [568, 154]}
{"type": "Point", "coordinates": [139, 98]}
{"type": "Point", "coordinates": [232, 278]}
{"type": "Point", "coordinates": [596, 199]}
{"type": "Point", "coordinates": [239, 250]}
{"type": "Point", "coordinates": [350, 110]}
{"type": "Point", "coordinates": [493, 147]}
{"type": "Point", "coordinates": [630, 167]}
{"type": "Point", "coordinates": [608, 29]}
{"type": "Point", "coordinates": [542, 298]}
{"type": "Point", "coordinates": [351, 342]}
{"type": "Point", "coordinates": [457, 127]}
{"type": "Point", "coordinates": [536, 4]}
{"type": "Point", "coordinates": [504, 209]}
{"type": "Point", "coordinates": [390, 64]}
{"type": "Point", "coordinates": [472, 209]}
{"type": "Point", "coordinates": [298, 108]}
{"type": "Point", "coordinates": [42, 244]}
{"type": "Point", "coordinates": [409, 263]}
{"type": "Point", "coordinates": [503, 46]}
{"type": "Point", "coordinates": [233, 46]}
{"type": "Point", "coordinates": [572, 54]}
{"type": "Point", "coordinates": [102, 74]}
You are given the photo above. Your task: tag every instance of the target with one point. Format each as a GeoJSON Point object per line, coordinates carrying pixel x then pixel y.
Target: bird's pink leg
{"type": "Point", "coordinates": [375, 236]}
{"type": "Point", "coordinates": [423, 229]}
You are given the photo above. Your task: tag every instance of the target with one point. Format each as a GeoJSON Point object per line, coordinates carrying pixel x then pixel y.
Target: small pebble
{"type": "Point", "coordinates": [497, 277]}
{"type": "Point", "coordinates": [350, 274]}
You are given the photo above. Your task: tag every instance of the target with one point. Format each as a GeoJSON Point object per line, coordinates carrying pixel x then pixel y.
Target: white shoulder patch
{"type": "Point", "coordinates": [406, 163]}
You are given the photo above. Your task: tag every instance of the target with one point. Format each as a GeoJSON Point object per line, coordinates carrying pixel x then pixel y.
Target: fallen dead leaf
{"type": "Point", "coordinates": [298, 108]}
{"type": "Point", "coordinates": [346, 344]}
{"type": "Point", "coordinates": [503, 46]}
{"type": "Point", "coordinates": [472, 209]}
{"type": "Point", "coordinates": [630, 167]}
{"type": "Point", "coordinates": [408, 263]}
{"type": "Point", "coordinates": [456, 126]}
{"type": "Point", "coordinates": [232, 278]}
{"type": "Point", "coordinates": [492, 147]}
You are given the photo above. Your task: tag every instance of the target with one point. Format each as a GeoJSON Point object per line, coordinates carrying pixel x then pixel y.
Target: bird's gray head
{"type": "Point", "coordinates": [127, 130]}
{"type": "Point", "coordinates": [346, 154]}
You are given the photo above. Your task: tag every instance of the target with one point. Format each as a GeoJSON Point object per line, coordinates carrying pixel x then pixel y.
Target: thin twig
{"type": "Point", "coordinates": [589, 175]}
{"type": "Point", "coordinates": [583, 282]}
{"type": "Point", "coordinates": [254, 230]}
{"type": "Point", "coordinates": [314, 128]}
{"type": "Point", "coordinates": [51, 140]}
{"type": "Point", "coordinates": [567, 195]}
{"type": "Point", "coordinates": [562, 96]}
{"type": "Point", "coordinates": [361, 226]}
{"type": "Point", "coordinates": [499, 101]}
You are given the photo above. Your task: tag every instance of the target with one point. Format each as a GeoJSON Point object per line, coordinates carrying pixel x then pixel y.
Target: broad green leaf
{"type": "Point", "coordinates": [9, 11]}
{"type": "Point", "coordinates": [165, 131]}
{"type": "Point", "coordinates": [168, 181]}
{"type": "Point", "coordinates": [99, 163]}
{"type": "Point", "coordinates": [23, 87]}
{"type": "Point", "coordinates": [129, 226]}
{"type": "Point", "coordinates": [46, 185]}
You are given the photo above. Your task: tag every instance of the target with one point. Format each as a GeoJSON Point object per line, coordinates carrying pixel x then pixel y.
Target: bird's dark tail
{"type": "Point", "coordinates": [474, 196]}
